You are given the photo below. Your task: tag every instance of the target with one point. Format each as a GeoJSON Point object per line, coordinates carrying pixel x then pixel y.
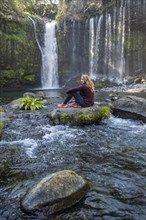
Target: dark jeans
{"type": "Point", "coordinates": [78, 99]}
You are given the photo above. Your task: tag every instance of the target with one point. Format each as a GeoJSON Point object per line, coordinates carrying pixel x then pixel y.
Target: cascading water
{"type": "Point", "coordinates": [35, 32]}
{"type": "Point", "coordinates": [91, 48]}
{"type": "Point", "coordinates": [111, 155]}
{"type": "Point", "coordinates": [49, 53]}
{"type": "Point", "coordinates": [97, 43]}
{"type": "Point", "coordinates": [50, 58]}
{"type": "Point", "coordinates": [108, 45]}
{"type": "Point", "coordinates": [120, 61]}
{"type": "Point", "coordinates": [106, 53]}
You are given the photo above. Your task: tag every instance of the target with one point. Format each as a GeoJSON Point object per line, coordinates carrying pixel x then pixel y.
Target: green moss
{"type": "Point", "coordinates": [2, 109]}
{"type": "Point", "coordinates": [105, 113]}
{"type": "Point", "coordinates": [23, 5]}
{"type": "Point", "coordinates": [65, 118]}
{"type": "Point", "coordinates": [7, 77]}
{"type": "Point", "coordinates": [56, 122]}
{"type": "Point", "coordinates": [134, 41]}
{"type": "Point", "coordinates": [1, 129]}
{"type": "Point", "coordinates": [10, 116]}
{"type": "Point", "coordinates": [108, 4]}
{"type": "Point", "coordinates": [83, 118]}
{"type": "Point", "coordinates": [29, 77]}
{"type": "Point", "coordinates": [100, 84]}
{"type": "Point", "coordinates": [72, 173]}
{"type": "Point", "coordinates": [19, 54]}
{"type": "Point", "coordinates": [19, 37]}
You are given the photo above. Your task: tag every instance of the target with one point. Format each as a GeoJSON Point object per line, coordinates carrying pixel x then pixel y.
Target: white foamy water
{"type": "Point", "coordinates": [127, 122]}
{"type": "Point", "coordinates": [132, 127]}
{"type": "Point", "coordinates": [60, 133]}
{"type": "Point", "coordinates": [27, 144]}
{"type": "Point", "coordinates": [50, 58]}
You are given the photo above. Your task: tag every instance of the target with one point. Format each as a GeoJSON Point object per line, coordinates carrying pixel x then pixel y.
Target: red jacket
{"type": "Point", "coordinates": [85, 91]}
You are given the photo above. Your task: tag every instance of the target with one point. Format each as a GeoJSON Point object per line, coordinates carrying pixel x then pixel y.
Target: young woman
{"type": "Point", "coordinates": [83, 94]}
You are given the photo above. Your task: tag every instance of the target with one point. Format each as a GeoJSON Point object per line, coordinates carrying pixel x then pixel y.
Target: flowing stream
{"type": "Point", "coordinates": [111, 155]}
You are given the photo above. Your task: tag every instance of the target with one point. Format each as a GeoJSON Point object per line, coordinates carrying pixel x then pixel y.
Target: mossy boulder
{"type": "Point", "coordinates": [55, 192]}
{"type": "Point", "coordinates": [79, 116]}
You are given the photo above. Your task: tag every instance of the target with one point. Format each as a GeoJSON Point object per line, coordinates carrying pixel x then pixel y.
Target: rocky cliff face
{"type": "Point", "coordinates": [104, 38]}
{"type": "Point", "coordinates": [106, 42]}
{"type": "Point", "coordinates": [20, 56]}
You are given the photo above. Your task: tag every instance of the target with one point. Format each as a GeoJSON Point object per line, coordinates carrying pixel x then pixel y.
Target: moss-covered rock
{"type": "Point", "coordinates": [79, 116]}
{"type": "Point", "coordinates": [55, 192]}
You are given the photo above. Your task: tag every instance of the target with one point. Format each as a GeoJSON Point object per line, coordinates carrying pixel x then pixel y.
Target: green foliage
{"type": "Point", "coordinates": [62, 12]}
{"type": "Point", "coordinates": [105, 112]}
{"type": "Point", "coordinates": [23, 5]}
{"type": "Point", "coordinates": [72, 173]}
{"type": "Point", "coordinates": [1, 129]}
{"type": "Point", "coordinates": [100, 85]}
{"type": "Point", "coordinates": [65, 118]}
{"type": "Point", "coordinates": [2, 109]}
{"type": "Point", "coordinates": [134, 40]}
{"type": "Point", "coordinates": [7, 77]}
{"type": "Point", "coordinates": [86, 118]}
{"type": "Point", "coordinates": [23, 66]}
{"type": "Point", "coordinates": [29, 77]}
{"type": "Point", "coordinates": [29, 103]}
{"type": "Point", "coordinates": [82, 118]}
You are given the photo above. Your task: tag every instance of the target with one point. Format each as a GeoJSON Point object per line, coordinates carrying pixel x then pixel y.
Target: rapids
{"type": "Point", "coordinates": [111, 155]}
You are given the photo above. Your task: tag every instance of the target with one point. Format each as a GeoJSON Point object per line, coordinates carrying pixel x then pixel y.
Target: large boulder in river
{"type": "Point", "coordinates": [79, 116]}
{"type": "Point", "coordinates": [55, 192]}
{"type": "Point", "coordinates": [131, 107]}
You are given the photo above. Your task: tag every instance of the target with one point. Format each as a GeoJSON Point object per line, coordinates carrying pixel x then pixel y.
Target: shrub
{"type": "Point", "coordinates": [29, 103]}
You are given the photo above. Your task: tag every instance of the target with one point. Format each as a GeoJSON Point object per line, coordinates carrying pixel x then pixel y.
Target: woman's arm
{"type": "Point", "coordinates": [75, 89]}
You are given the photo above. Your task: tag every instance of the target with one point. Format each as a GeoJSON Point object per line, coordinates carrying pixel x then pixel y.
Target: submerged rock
{"type": "Point", "coordinates": [131, 107]}
{"type": "Point", "coordinates": [79, 116]}
{"type": "Point", "coordinates": [55, 192]}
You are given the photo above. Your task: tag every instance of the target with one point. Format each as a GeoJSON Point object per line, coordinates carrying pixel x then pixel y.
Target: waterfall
{"type": "Point", "coordinates": [91, 47]}
{"type": "Point", "coordinates": [106, 45]}
{"type": "Point", "coordinates": [50, 58]}
{"type": "Point", "coordinates": [35, 32]}
{"type": "Point", "coordinates": [49, 53]}
{"type": "Point", "coordinates": [120, 60]}
{"type": "Point", "coordinates": [109, 46]}
{"type": "Point", "coordinates": [97, 43]}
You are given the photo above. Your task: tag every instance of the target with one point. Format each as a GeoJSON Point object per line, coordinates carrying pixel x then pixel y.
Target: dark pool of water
{"type": "Point", "coordinates": [112, 155]}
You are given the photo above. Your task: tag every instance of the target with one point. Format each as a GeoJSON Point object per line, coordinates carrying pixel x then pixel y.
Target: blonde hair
{"type": "Point", "coordinates": [88, 81]}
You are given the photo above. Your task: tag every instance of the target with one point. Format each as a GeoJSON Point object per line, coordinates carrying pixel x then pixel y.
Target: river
{"type": "Point", "coordinates": [111, 155]}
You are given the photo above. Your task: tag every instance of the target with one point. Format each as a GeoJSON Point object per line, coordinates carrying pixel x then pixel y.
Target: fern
{"type": "Point", "coordinates": [29, 103]}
